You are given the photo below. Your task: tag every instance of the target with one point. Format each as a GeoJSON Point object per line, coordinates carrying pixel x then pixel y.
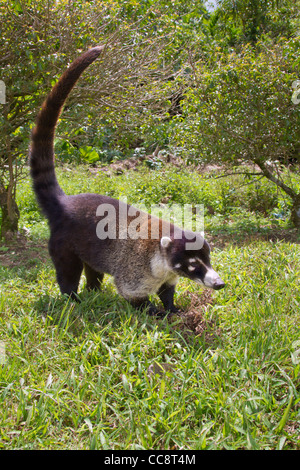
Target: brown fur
{"type": "Point", "coordinates": [139, 266]}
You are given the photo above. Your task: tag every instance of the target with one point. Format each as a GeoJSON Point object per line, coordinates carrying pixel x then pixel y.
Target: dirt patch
{"type": "Point", "coordinates": [194, 321]}
{"type": "Point", "coordinates": [166, 158]}
{"type": "Point", "coordinates": [17, 251]}
{"type": "Point", "coordinates": [132, 163]}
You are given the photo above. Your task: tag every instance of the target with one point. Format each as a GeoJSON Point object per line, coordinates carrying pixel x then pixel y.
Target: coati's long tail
{"type": "Point", "coordinates": [41, 155]}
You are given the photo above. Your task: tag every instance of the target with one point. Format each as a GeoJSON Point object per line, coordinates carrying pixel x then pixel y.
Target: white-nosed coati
{"type": "Point", "coordinates": [141, 264]}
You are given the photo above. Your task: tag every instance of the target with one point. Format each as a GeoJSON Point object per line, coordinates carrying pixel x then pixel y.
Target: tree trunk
{"type": "Point", "coordinates": [8, 205]}
{"type": "Point", "coordinates": [295, 212]}
{"type": "Point", "coordinates": [10, 214]}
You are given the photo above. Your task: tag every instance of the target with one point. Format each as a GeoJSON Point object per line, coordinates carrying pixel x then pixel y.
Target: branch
{"type": "Point", "coordinates": [247, 173]}
{"type": "Point", "coordinates": [267, 173]}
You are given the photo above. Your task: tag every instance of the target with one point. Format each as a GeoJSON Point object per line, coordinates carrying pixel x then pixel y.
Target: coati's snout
{"type": "Point", "coordinates": [195, 264]}
{"type": "Point", "coordinates": [213, 280]}
{"type": "Point", "coordinates": [219, 284]}
{"type": "Point", "coordinates": [204, 274]}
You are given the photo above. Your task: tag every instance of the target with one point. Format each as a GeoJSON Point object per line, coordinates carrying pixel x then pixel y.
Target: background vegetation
{"type": "Point", "coordinates": [208, 86]}
{"type": "Point", "coordinates": [188, 105]}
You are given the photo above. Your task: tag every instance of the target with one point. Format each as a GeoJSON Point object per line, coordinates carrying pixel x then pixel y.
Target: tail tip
{"type": "Point", "coordinates": [99, 48]}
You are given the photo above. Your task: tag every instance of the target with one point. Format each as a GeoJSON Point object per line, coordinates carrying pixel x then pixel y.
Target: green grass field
{"type": "Point", "coordinates": [80, 376]}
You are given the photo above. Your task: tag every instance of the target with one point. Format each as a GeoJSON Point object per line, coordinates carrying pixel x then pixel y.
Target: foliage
{"type": "Point", "coordinates": [248, 20]}
{"type": "Point", "coordinates": [245, 104]}
{"type": "Point", "coordinates": [38, 40]}
{"type": "Point", "coordinates": [157, 48]}
{"type": "Point", "coordinates": [232, 204]}
{"type": "Point", "coordinates": [241, 110]}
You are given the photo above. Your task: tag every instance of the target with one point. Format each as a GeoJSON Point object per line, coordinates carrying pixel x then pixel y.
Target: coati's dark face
{"type": "Point", "coordinates": [195, 264]}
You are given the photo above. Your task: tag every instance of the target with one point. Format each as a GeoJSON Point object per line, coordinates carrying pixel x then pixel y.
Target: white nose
{"type": "Point", "coordinates": [213, 280]}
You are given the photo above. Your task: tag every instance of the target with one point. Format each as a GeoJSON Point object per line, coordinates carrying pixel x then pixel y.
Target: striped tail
{"type": "Point", "coordinates": [41, 155]}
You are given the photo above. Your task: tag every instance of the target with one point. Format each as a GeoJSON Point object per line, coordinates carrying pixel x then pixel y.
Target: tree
{"type": "Point", "coordinates": [20, 41]}
{"type": "Point", "coordinates": [38, 39]}
{"type": "Point", "coordinates": [248, 20]}
{"type": "Point", "coordinates": [241, 111]}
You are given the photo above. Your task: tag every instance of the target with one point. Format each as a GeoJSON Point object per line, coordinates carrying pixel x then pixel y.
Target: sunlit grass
{"type": "Point", "coordinates": [77, 375]}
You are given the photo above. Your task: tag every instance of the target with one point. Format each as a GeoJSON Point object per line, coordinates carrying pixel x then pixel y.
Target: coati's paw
{"type": "Point", "coordinates": [154, 311]}
{"type": "Point", "coordinates": [73, 296]}
{"type": "Point", "coordinates": [151, 309]}
{"type": "Point", "coordinates": [174, 310]}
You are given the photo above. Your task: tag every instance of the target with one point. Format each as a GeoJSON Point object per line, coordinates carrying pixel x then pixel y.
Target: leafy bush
{"type": "Point", "coordinates": [240, 110]}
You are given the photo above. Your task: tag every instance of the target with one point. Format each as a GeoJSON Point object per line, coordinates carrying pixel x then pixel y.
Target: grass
{"type": "Point", "coordinates": [78, 376]}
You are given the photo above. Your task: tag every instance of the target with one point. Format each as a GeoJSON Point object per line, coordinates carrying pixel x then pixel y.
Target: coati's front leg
{"type": "Point", "coordinates": [93, 278]}
{"type": "Point", "coordinates": [166, 294]}
{"type": "Point", "coordinates": [135, 294]}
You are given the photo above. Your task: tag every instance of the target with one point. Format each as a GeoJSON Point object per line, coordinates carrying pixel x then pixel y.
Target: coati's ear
{"type": "Point", "coordinates": [165, 242]}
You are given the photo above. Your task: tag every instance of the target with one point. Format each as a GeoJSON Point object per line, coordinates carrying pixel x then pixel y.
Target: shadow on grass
{"type": "Point", "coordinates": [93, 306]}
{"type": "Point", "coordinates": [100, 309]}
{"type": "Point", "coordinates": [97, 309]}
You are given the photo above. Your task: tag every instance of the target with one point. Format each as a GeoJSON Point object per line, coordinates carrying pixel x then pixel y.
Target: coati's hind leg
{"type": "Point", "coordinates": [68, 270]}
{"type": "Point", "coordinates": [93, 278]}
